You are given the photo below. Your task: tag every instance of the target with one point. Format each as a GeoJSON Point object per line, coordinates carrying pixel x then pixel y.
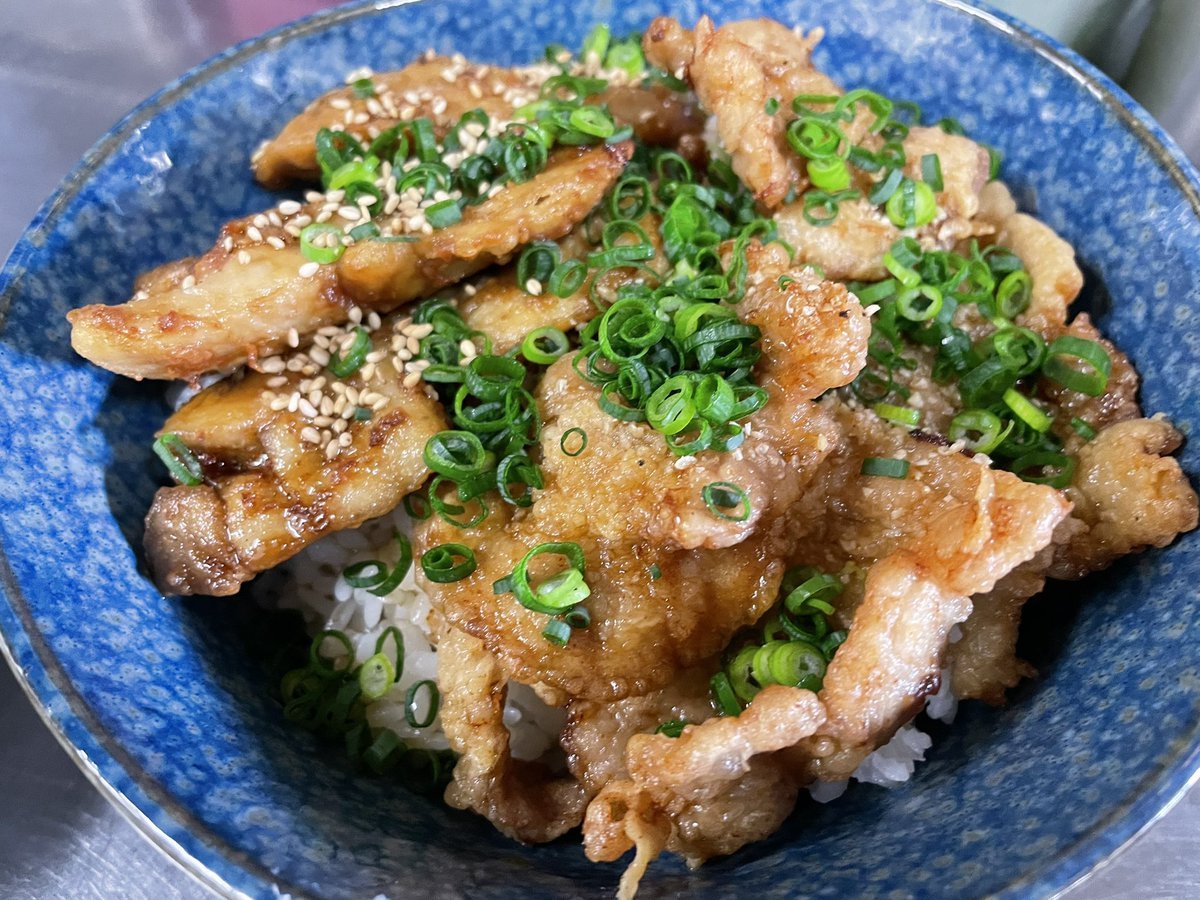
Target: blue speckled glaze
{"type": "Point", "coordinates": [169, 712]}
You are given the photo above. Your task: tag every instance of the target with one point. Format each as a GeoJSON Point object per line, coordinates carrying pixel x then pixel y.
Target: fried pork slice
{"type": "Point", "coordinates": [736, 70]}
{"type": "Point", "coordinates": [239, 301]}
{"type": "Point", "coordinates": [852, 246]}
{"type": "Point", "coordinates": [708, 792]}
{"type": "Point", "coordinates": [951, 528]}
{"type": "Point", "coordinates": [522, 798]}
{"type": "Point", "coordinates": [983, 662]}
{"type": "Point", "coordinates": [1128, 493]}
{"type": "Point", "coordinates": [632, 505]}
{"type": "Point", "coordinates": [278, 480]}
{"type": "Point", "coordinates": [376, 273]}
{"type": "Point", "coordinates": [440, 89]}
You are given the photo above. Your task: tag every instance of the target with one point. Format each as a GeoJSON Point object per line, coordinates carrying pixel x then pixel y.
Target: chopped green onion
{"type": "Point", "coordinates": [1056, 469]}
{"type": "Point", "coordinates": [655, 572]}
{"type": "Point", "coordinates": [931, 171]}
{"type": "Point", "coordinates": [416, 505]}
{"type": "Point", "coordinates": [1068, 349]}
{"type": "Point", "coordinates": [330, 238]}
{"type": "Point", "coordinates": [913, 205]}
{"type": "Point", "coordinates": [558, 592]}
{"type": "Point", "coordinates": [579, 446]}
{"type": "Point", "coordinates": [1025, 410]}
{"type": "Point", "coordinates": [183, 465]}
{"type": "Point", "coordinates": [345, 366]}
{"type": "Point", "coordinates": [567, 278]}
{"type": "Point", "coordinates": [323, 665]}
{"type": "Point", "coordinates": [720, 496]}
{"type": "Point", "coordinates": [455, 454]}
{"type": "Point", "coordinates": [557, 632]}
{"type": "Point", "coordinates": [673, 728]}
{"type": "Point", "coordinates": [771, 106]}
{"type": "Point", "coordinates": [831, 174]}
{"type": "Point", "coordinates": [1014, 293]}
{"type": "Point", "coordinates": [434, 698]}
{"type": "Point", "coordinates": [443, 214]}
{"type": "Point", "coordinates": [447, 563]}
{"type": "Point", "coordinates": [885, 466]}
{"type": "Point", "coordinates": [1083, 429]}
{"type": "Point", "coordinates": [990, 431]}
{"type": "Point", "coordinates": [904, 416]}
{"type": "Point", "coordinates": [542, 346]}
{"type": "Point", "coordinates": [724, 699]}
{"type": "Point", "coordinates": [376, 676]}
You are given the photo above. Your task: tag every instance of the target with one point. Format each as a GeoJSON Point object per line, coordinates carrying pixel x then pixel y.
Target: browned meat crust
{"type": "Point", "coordinates": [521, 798]}
{"type": "Point", "coordinates": [232, 311]}
{"type": "Point", "coordinates": [269, 493]}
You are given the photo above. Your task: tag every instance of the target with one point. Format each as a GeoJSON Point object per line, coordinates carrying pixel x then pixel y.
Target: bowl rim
{"type": "Point", "coordinates": [209, 858]}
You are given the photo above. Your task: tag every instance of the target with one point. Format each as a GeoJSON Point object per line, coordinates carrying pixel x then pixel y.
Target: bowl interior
{"type": "Point", "coordinates": [169, 699]}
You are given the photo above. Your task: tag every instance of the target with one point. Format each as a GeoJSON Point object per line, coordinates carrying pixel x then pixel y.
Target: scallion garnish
{"type": "Point", "coordinates": [343, 366]}
{"type": "Point", "coordinates": [321, 243]}
{"type": "Point", "coordinates": [181, 462]}
{"type": "Point", "coordinates": [433, 701]}
{"type": "Point", "coordinates": [447, 563]}
{"type": "Point", "coordinates": [672, 728]}
{"type": "Point", "coordinates": [1078, 365]}
{"type": "Point", "coordinates": [885, 466]}
{"type": "Point", "coordinates": [376, 676]}
{"type": "Point", "coordinates": [573, 441]}
{"type": "Point", "coordinates": [722, 496]}
{"type": "Point", "coordinates": [904, 416]}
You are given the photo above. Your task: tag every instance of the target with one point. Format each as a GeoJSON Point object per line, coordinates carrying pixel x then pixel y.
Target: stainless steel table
{"type": "Point", "coordinates": [68, 70]}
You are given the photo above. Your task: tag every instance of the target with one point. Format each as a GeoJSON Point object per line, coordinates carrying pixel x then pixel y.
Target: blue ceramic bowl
{"type": "Point", "coordinates": [166, 704]}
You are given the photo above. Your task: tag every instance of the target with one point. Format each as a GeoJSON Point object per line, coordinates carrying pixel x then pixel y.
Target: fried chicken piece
{"type": "Point", "coordinates": [269, 492]}
{"type": "Point", "coordinates": [951, 528]}
{"type": "Point", "coordinates": [712, 790]}
{"type": "Point", "coordinates": [522, 798]}
{"type": "Point", "coordinates": [658, 116]}
{"type": "Point", "coordinates": [1129, 494]}
{"type": "Point", "coordinates": [983, 662]}
{"type": "Point", "coordinates": [419, 90]}
{"type": "Point", "coordinates": [224, 312]}
{"type": "Point", "coordinates": [630, 505]}
{"type": "Point", "coordinates": [1050, 261]}
{"type": "Point", "coordinates": [852, 246]}
{"type": "Point", "coordinates": [735, 70]}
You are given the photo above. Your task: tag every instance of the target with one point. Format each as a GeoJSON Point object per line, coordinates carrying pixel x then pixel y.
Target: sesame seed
{"type": "Point", "coordinates": [423, 330]}
{"type": "Point", "coordinates": [367, 371]}
{"type": "Point", "coordinates": [260, 221]}
{"type": "Point", "coordinates": [276, 242]}
{"type": "Point", "coordinates": [340, 103]}
{"type": "Point", "coordinates": [293, 402]}
{"type": "Point", "coordinates": [293, 337]}
{"type": "Point", "coordinates": [189, 282]}
{"type": "Point", "coordinates": [373, 321]}
{"type": "Point", "coordinates": [356, 315]}
{"type": "Point", "coordinates": [243, 257]}
{"type": "Point", "coordinates": [349, 213]}
{"type": "Point", "coordinates": [289, 208]}
{"type": "Point", "coordinates": [466, 348]}
{"type": "Point", "coordinates": [279, 403]}
{"type": "Point", "coordinates": [319, 355]}
{"type": "Point", "coordinates": [277, 382]}
{"type": "Point", "coordinates": [533, 286]}
{"type": "Point", "coordinates": [338, 426]}
{"type": "Point", "coordinates": [344, 439]}
{"type": "Point", "coordinates": [254, 234]}
{"type": "Point", "coordinates": [309, 269]}
{"type": "Point", "coordinates": [306, 408]}
{"type": "Point", "coordinates": [413, 345]}
{"type": "Point", "coordinates": [310, 435]}
{"type": "Point", "coordinates": [411, 379]}
{"type": "Point", "coordinates": [271, 365]}
{"type": "Point", "coordinates": [331, 450]}
{"type": "Point", "coordinates": [228, 243]}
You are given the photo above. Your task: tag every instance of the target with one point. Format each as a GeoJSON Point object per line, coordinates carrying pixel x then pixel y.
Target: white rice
{"type": "Point", "coordinates": [318, 591]}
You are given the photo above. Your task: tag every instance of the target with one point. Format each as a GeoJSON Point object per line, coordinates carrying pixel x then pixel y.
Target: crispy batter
{"type": "Point", "coordinates": [381, 274]}
{"type": "Point", "coordinates": [236, 312]}
{"type": "Point", "coordinates": [522, 798]}
{"type": "Point", "coordinates": [629, 505]}
{"type": "Point", "coordinates": [1130, 495]}
{"type": "Point", "coordinates": [950, 529]}
{"type": "Point", "coordinates": [1050, 261]}
{"type": "Point", "coordinates": [708, 792]}
{"type": "Point", "coordinates": [416, 91]}
{"type": "Point", "coordinates": [852, 247]}
{"type": "Point", "coordinates": [736, 70]}
{"type": "Point", "coordinates": [269, 494]}
{"type": "Point", "coordinates": [984, 662]}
